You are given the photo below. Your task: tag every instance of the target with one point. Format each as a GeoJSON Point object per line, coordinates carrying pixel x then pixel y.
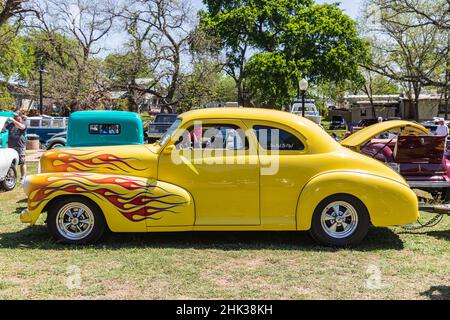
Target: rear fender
{"type": "Point", "coordinates": [388, 202]}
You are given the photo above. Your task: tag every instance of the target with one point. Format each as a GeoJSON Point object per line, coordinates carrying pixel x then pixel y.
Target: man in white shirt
{"type": "Point", "coordinates": [442, 129]}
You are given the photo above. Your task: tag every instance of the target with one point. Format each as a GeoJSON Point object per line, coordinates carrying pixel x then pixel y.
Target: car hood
{"type": "Point", "coordinates": [131, 160]}
{"type": "Point", "coordinates": [359, 137]}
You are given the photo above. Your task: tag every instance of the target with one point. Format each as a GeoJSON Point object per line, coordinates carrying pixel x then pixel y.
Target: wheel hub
{"type": "Point", "coordinates": [339, 219]}
{"type": "Point", "coordinates": [75, 221]}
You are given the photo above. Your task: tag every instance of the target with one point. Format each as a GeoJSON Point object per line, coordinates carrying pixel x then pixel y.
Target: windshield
{"type": "Point", "coordinates": [166, 136]}
{"type": "Point", "coordinates": [309, 108]}
{"type": "Point", "coordinates": [165, 118]}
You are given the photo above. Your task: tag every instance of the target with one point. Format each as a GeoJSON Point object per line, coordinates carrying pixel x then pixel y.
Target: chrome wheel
{"type": "Point", "coordinates": [339, 219]}
{"type": "Point", "coordinates": [10, 179]}
{"type": "Point", "coordinates": [75, 221]}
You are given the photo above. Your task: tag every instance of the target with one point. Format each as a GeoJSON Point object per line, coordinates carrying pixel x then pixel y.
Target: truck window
{"type": "Point", "coordinates": [104, 129]}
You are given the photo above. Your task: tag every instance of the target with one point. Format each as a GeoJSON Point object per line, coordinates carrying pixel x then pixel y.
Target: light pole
{"type": "Point", "coordinates": [41, 86]}
{"type": "Point", "coordinates": [303, 86]}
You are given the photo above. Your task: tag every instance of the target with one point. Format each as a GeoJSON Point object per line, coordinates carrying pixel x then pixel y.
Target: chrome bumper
{"type": "Point", "coordinates": [429, 184]}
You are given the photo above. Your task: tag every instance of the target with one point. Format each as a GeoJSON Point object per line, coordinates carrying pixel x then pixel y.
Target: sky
{"type": "Point", "coordinates": [351, 7]}
{"type": "Point", "coordinates": [115, 41]}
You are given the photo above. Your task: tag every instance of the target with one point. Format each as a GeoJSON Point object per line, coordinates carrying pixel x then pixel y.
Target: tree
{"type": "Point", "coordinates": [17, 56]}
{"type": "Point", "coordinates": [161, 28]}
{"type": "Point", "coordinates": [70, 32]}
{"type": "Point", "coordinates": [9, 9]}
{"type": "Point", "coordinates": [206, 83]}
{"type": "Point", "coordinates": [290, 40]}
{"type": "Point", "coordinates": [406, 48]}
{"type": "Point", "coordinates": [435, 12]}
{"type": "Point", "coordinates": [375, 84]}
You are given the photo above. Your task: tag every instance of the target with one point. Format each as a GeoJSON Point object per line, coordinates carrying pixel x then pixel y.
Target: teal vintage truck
{"type": "Point", "coordinates": [100, 128]}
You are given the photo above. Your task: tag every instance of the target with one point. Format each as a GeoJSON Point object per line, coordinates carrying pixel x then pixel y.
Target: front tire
{"type": "Point", "coordinates": [340, 220]}
{"type": "Point", "coordinates": [10, 180]}
{"type": "Point", "coordinates": [76, 220]}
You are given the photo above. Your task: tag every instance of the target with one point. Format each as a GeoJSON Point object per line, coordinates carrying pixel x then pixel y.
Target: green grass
{"type": "Point", "coordinates": [207, 265]}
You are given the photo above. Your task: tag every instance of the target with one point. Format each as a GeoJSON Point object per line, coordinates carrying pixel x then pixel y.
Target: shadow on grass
{"type": "Point", "coordinates": [437, 293]}
{"type": "Point", "coordinates": [442, 235]}
{"type": "Point", "coordinates": [439, 234]}
{"type": "Point", "coordinates": [37, 237]}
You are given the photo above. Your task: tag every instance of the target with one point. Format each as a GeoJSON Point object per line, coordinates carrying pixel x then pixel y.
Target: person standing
{"type": "Point", "coordinates": [16, 140]}
{"type": "Point", "coordinates": [442, 128]}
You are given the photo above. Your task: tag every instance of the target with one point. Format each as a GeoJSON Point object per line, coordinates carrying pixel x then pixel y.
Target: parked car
{"type": "Point", "coordinates": [338, 122]}
{"type": "Point", "coordinates": [57, 141]}
{"type": "Point", "coordinates": [104, 128]}
{"type": "Point", "coordinates": [8, 173]}
{"type": "Point", "coordinates": [4, 115]}
{"type": "Point", "coordinates": [220, 169]}
{"type": "Point", "coordinates": [410, 149]}
{"type": "Point", "coordinates": [46, 127]}
{"type": "Point", "coordinates": [159, 126]}
{"type": "Point", "coordinates": [311, 111]}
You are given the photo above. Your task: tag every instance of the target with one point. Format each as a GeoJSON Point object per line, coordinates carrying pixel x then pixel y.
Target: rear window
{"type": "Point", "coordinates": [271, 138]}
{"type": "Point", "coordinates": [104, 129]}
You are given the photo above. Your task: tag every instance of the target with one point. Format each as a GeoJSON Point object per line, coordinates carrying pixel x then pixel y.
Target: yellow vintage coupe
{"type": "Point", "coordinates": [220, 169]}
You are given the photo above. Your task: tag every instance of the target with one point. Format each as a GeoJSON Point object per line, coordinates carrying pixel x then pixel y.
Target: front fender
{"type": "Point", "coordinates": [129, 204]}
{"type": "Point", "coordinates": [388, 202]}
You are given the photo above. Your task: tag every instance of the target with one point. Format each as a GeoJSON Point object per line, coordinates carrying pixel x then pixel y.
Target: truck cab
{"type": "Point", "coordinates": [104, 128]}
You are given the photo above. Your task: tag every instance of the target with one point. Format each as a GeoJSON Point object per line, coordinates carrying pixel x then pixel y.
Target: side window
{"type": "Point", "coordinates": [271, 138]}
{"type": "Point", "coordinates": [35, 123]}
{"type": "Point", "coordinates": [46, 123]}
{"type": "Point", "coordinates": [104, 129]}
{"type": "Point", "coordinates": [213, 136]}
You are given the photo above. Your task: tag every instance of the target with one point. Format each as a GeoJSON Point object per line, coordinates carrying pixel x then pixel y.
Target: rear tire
{"type": "Point", "coordinates": [340, 220]}
{"type": "Point", "coordinates": [10, 180]}
{"type": "Point", "coordinates": [76, 220]}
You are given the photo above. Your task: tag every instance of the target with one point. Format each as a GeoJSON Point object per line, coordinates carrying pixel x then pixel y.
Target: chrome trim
{"type": "Point", "coordinates": [429, 184]}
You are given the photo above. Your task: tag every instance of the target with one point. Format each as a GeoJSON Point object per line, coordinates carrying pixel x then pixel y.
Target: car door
{"type": "Point", "coordinates": [214, 161]}
{"type": "Point", "coordinates": [285, 167]}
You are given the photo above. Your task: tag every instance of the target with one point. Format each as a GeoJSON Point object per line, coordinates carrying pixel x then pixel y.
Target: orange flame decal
{"type": "Point", "coordinates": [135, 199]}
{"type": "Point", "coordinates": [80, 160]}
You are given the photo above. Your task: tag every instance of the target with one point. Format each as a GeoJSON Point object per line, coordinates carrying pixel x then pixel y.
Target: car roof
{"type": "Point", "coordinates": [104, 115]}
{"type": "Point", "coordinates": [319, 140]}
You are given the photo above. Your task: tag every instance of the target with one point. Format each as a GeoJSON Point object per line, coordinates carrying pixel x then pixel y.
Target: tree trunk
{"type": "Point", "coordinates": [132, 103]}
{"type": "Point", "coordinates": [417, 90]}
{"type": "Point", "coordinates": [241, 95]}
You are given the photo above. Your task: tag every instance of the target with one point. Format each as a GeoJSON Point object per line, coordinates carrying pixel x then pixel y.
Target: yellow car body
{"type": "Point", "coordinates": [142, 189]}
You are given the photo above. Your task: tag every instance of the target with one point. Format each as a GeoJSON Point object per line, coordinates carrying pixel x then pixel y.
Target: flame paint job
{"type": "Point", "coordinates": [135, 199]}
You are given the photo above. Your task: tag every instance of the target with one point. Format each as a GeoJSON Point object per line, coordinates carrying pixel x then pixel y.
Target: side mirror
{"type": "Point", "coordinates": [169, 149]}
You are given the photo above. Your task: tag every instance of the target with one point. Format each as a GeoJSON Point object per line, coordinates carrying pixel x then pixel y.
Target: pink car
{"type": "Point", "coordinates": [410, 149]}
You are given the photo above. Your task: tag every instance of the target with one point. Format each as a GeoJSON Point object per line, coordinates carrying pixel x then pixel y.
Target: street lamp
{"type": "Point", "coordinates": [303, 86]}
{"type": "Point", "coordinates": [41, 86]}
